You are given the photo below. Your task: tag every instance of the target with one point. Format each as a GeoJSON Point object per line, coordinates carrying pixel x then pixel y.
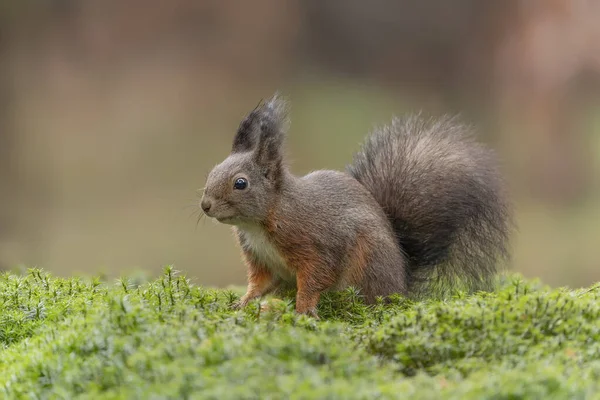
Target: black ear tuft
{"type": "Point", "coordinates": [273, 125]}
{"type": "Point", "coordinates": [264, 128]}
{"type": "Point", "coordinates": [246, 137]}
{"type": "Point", "coordinates": [263, 133]}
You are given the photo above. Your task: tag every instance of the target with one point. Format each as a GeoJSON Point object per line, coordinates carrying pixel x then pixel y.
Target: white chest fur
{"type": "Point", "coordinates": [266, 252]}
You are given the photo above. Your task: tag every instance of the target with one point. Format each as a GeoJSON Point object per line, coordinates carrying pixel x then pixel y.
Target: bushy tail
{"type": "Point", "coordinates": [444, 196]}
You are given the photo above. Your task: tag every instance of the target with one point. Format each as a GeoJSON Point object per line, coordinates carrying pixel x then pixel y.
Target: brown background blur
{"type": "Point", "coordinates": [112, 112]}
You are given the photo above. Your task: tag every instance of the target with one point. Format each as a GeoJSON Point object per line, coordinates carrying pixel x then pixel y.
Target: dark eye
{"type": "Point", "coordinates": [240, 184]}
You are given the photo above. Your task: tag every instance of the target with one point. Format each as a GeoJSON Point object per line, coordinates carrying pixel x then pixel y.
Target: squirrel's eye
{"type": "Point", "coordinates": [240, 183]}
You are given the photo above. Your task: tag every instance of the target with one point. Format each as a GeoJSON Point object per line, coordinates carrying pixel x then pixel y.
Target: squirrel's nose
{"type": "Point", "coordinates": [206, 204]}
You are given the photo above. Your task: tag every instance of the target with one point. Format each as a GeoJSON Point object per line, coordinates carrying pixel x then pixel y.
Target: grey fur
{"type": "Point", "coordinates": [421, 203]}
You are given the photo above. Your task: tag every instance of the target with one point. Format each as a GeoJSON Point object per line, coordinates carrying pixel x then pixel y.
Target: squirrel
{"type": "Point", "coordinates": [421, 207]}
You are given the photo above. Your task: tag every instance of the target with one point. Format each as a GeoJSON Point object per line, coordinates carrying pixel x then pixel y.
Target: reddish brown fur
{"type": "Point", "coordinates": [357, 261]}
{"type": "Point", "coordinates": [310, 285]}
{"type": "Point", "coordinates": [313, 275]}
{"type": "Point", "coordinates": [260, 280]}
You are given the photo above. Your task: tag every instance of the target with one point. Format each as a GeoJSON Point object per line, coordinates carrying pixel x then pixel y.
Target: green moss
{"type": "Point", "coordinates": [70, 338]}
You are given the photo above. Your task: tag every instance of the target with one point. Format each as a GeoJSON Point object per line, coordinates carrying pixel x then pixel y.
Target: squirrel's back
{"type": "Point", "coordinates": [444, 197]}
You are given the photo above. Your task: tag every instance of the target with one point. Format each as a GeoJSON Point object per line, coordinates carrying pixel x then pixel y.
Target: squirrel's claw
{"type": "Point", "coordinates": [237, 305]}
{"type": "Point", "coordinates": [311, 312]}
{"type": "Point", "coordinates": [241, 303]}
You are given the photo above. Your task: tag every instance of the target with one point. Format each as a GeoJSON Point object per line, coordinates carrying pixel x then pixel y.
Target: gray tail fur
{"type": "Point", "coordinates": [444, 197]}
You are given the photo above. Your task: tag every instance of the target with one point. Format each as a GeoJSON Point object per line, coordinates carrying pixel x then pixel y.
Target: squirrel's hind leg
{"type": "Point", "coordinates": [311, 282]}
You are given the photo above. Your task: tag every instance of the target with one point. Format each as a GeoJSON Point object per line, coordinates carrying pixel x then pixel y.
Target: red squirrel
{"type": "Point", "coordinates": [421, 205]}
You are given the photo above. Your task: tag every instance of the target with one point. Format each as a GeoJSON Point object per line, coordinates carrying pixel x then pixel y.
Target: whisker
{"type": "Point", "coordinates": [198, 221]}
{"type": "Point", "coordinates": [195, 205]}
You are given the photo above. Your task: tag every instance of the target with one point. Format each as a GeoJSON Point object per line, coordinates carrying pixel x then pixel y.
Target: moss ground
{"type": "Point", "coordinates": [169, 339]}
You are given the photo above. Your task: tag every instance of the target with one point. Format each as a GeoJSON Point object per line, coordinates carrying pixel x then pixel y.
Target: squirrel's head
{"type": "Point", "coordinates": [242, 188]}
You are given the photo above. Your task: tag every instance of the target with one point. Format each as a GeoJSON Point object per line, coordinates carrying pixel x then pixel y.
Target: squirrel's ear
{"type": "Point", "coordinates": [263, 133]}
{"type": "Point", "coordinates": [273, 125]}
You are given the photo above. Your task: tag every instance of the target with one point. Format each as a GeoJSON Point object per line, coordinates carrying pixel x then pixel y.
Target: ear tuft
{"type": "Point", "coordinates": [245, 139]}
{"type": "Point", "coordinates": [274, 122]}
{"type": "Point", "coordinates": [268, 122]}
{"type": "Point", "coordinates": [276, 109]}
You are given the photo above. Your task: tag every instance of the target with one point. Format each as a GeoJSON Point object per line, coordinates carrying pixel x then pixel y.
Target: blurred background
{"type": "Point", "coordinates": [112, 112]}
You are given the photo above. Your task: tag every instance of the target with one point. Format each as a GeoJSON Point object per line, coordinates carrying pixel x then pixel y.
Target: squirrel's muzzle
{"type": "Point", "coordinates": [205, 204]}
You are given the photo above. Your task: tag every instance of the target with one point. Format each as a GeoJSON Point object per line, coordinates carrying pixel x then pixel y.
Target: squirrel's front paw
{"type": "Point", "coordinates": [242, 302]}
{"type": "Point", "coordinates": [238, 305]}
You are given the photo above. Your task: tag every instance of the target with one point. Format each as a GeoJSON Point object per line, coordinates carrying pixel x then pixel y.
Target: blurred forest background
{"type": "Point", "coordinates": [112, 112]}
